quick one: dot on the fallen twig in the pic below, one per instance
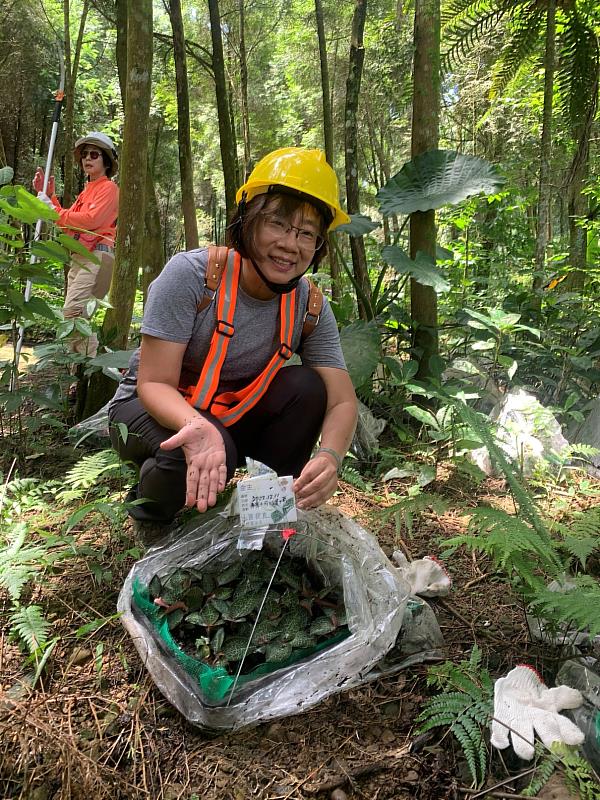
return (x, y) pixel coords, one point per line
(367, 769)
(482, 631)
(475, 793)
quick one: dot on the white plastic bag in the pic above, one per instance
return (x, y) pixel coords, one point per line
(375, 598)
(528, 433)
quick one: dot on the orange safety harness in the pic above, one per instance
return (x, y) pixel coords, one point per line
(222, 281)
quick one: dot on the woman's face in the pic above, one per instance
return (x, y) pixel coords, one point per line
(91, 162)
(284, 247)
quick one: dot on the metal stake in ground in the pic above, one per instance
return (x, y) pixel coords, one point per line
(286, 535)
(59, 96)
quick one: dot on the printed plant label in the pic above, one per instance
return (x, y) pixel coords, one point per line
(266, 500)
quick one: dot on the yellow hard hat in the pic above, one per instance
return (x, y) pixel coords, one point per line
(301, 170)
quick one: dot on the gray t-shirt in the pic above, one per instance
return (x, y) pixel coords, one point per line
(171, 313)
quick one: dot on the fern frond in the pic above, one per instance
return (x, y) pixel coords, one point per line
(17, 572)
(586, 524)
(457, 9)
(577, 69)
(577, 606)
(31, 627)
(19, 564)
(507, 534)
(352, 476)
(527, 508)
(580, 547)
(525, 33)
(466, 29)
(582, 536)
(24, 494)
(513, 545)
(545, 765)
(414, 504)
(91, 468)
(585, 450)
(579, 775)
(466, 711)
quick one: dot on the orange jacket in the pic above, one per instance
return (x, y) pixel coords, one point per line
(93, 216)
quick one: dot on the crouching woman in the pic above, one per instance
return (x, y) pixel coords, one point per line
(209, 384)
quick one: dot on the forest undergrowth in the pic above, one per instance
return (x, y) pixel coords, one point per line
(80, 715)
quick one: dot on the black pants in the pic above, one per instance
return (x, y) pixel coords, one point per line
(280, 431)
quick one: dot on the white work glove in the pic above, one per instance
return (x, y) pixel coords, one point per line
(45, 199)
(427, 576)
(523, 706)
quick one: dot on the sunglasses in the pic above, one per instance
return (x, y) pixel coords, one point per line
(93, 154)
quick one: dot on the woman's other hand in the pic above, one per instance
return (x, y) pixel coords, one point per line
(206, 462)
(38, 182)
(317, 482)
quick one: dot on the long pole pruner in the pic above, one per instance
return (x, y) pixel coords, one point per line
(59, 96)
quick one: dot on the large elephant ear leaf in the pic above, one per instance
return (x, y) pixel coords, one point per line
(6, 175)
(361, 344)
(422, 268)
(359, 225)
(437, 178)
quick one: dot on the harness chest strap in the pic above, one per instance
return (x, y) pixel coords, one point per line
(229, 407)
(217, 261)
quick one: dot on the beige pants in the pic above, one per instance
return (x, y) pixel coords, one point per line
(86, 280)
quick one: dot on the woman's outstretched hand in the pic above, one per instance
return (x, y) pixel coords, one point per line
(38, 182)
(206, 461)
(317, 482)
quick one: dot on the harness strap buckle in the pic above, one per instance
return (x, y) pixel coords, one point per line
(285, 351)
(208, 295)
(225, 328)
(312, 319)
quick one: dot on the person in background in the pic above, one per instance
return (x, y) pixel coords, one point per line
(92, 219)
(205, 389)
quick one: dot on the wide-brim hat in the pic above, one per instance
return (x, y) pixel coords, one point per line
(104, 143)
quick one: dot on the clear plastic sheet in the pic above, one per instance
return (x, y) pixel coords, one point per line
(528, 433)
(94, 429)
(588, 432)
(368, 430)
(343, 553)
(584, 674)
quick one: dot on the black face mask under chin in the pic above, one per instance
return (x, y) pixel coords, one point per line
(278, 288)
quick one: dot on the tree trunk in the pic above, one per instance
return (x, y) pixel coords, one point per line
(578, 206)
(186, 170)
(231, 103)
(424, 136)
(325, 90)
(71, 70)
(152, 253)
(121, 47)
(133, 172)
(244, 91)
(543, 208)
(228, 157)
(334, 267)
(357, 245)
(152, 260)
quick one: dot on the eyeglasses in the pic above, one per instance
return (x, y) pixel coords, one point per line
(93, 154)
(278, 228)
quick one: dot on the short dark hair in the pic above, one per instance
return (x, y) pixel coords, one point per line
(106, 160)
(242, 228)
